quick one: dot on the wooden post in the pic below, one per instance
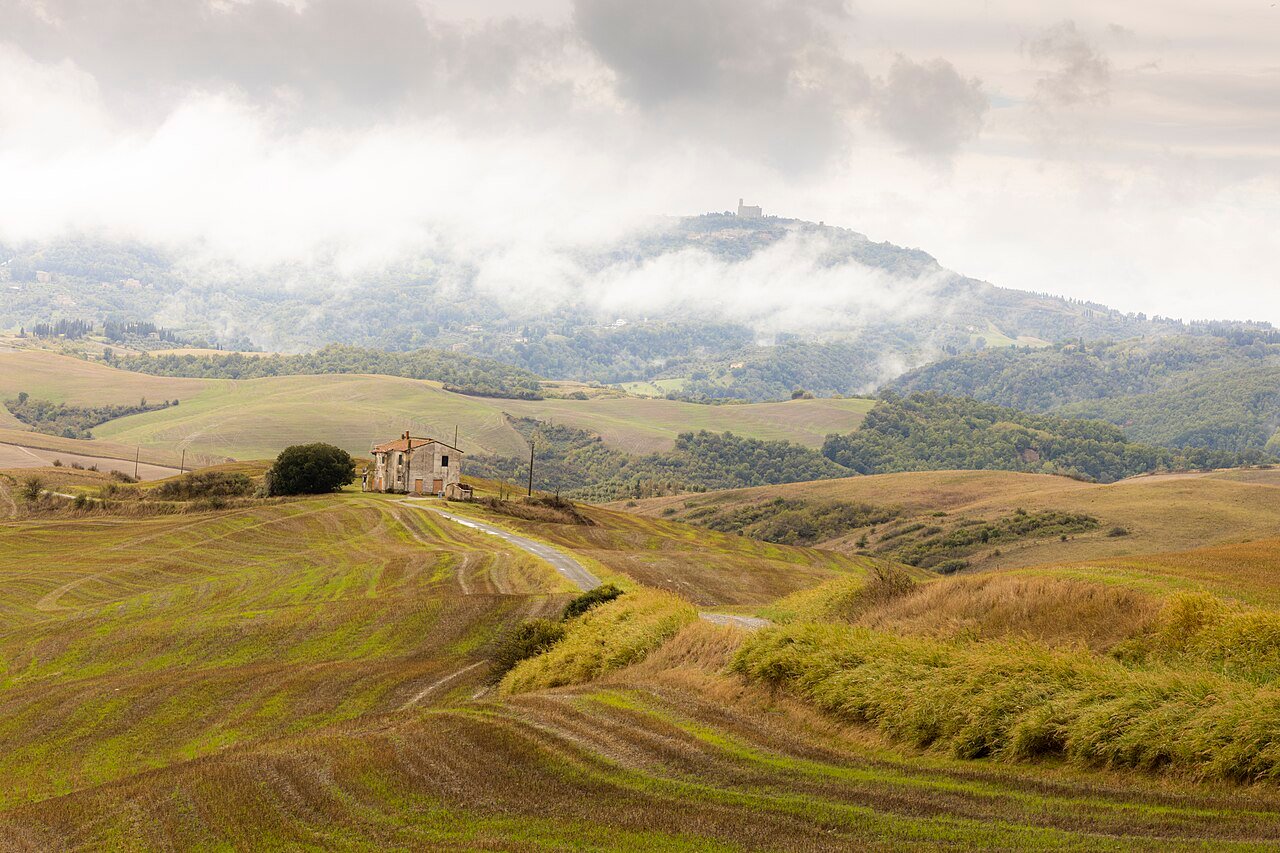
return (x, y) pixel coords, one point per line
(182, 469)
(531, 444)
(136, 457)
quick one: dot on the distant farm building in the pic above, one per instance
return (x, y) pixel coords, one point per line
(749, 211)
(416, 466)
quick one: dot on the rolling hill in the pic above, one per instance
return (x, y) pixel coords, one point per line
(1159, 514)
(256, 418)
(313, 673)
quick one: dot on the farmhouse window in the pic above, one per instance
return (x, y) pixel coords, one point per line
(444, 461)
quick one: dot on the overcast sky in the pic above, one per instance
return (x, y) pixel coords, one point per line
(1126, 153)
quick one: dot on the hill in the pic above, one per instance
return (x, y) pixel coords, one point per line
(248, 419)
(684, 342)
(928, 431)
(1159, 514)
(1214, 390)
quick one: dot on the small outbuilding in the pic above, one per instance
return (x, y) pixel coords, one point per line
(458, 492)
(415, 466)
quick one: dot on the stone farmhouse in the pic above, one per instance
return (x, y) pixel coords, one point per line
(416, 466)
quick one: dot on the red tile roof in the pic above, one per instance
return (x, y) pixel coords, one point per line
(409, 443)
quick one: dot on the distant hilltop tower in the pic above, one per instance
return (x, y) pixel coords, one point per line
(749, 211)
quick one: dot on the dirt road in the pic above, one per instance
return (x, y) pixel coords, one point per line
(567, 566)
(570, 568)
(19, 456)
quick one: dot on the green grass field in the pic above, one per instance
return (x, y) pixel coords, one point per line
(311, 674)
(255, 419)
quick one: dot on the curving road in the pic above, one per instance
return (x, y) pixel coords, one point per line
(559, 560)
(570, 568)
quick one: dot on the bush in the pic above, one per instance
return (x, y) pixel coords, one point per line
(32, 488)
(527, 640)
(310, 469)
(1118, 531)
(590, 599)
(206, 485)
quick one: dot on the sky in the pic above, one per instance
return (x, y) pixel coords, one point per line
(1123, 153)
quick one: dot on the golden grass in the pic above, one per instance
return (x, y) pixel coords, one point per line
(1020, 701)
(1247, 571)
(608, 637)
(1049, 610)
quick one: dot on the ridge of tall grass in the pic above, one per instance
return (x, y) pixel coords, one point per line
(1201, 630)
(1017, 701)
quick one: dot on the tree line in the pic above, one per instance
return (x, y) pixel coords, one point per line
(462, 373)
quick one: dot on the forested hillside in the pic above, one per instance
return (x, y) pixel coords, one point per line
(578, 463)
(1217, 389)
(929, 431)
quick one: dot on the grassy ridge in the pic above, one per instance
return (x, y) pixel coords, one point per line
(1013, 701)
(604, 639)
(1100, 669)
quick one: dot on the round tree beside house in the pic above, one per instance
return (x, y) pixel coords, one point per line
(310, 469)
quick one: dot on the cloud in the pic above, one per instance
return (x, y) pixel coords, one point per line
(766, 76)
(929, 108)
(346, 136)
(331, 60)
(1078, 72)
(789, 286)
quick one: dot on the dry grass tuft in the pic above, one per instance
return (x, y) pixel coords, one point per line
(699, 645)
(604, 639)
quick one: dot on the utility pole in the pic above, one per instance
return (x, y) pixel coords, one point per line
(183, 466)
(136, 457)
(455, 436)
(531, 443)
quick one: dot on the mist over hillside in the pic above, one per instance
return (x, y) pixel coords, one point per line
(712, 306)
